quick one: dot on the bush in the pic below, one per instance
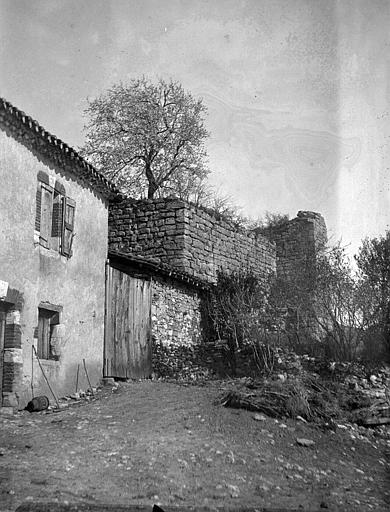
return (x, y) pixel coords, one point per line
(239, 312)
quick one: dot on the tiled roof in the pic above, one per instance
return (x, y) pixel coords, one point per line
(155, 266)
(31, 133)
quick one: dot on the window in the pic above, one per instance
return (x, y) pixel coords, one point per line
(69, 207)
(47, 322)
(55, 213)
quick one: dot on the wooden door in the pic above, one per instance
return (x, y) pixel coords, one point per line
(128, 352)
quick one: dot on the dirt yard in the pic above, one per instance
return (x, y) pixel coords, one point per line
(157, 442)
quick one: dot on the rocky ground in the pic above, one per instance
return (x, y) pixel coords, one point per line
(168, 443)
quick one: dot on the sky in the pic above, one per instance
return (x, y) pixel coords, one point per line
(297, 91)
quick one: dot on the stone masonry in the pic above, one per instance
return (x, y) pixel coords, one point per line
(170, 234)
(176, 313)
(297, 241)
(187, 238)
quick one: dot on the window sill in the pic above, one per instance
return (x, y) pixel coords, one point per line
(50, 362)
(50, 253)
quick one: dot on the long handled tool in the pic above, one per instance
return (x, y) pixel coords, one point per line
(43, 373)
(32, 370)
(86, 373)
(77, 378)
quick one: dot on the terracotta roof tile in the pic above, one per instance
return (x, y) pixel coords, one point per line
(22, 126)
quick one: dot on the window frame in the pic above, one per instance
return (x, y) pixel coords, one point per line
(46, 216)
(53, 222)
(48, 317)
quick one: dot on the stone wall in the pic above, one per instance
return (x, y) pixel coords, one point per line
(192, 242)
(187, 238)
(211, 245)
(180, 345)
(297, 241)
(176, 313)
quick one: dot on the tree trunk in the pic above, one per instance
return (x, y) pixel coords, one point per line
(151, 190)
(152, 185)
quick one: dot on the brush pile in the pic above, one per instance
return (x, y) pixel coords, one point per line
(309, 396)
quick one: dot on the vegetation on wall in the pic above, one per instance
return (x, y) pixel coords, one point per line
(323, 308)
(239, 312)
(327, 306)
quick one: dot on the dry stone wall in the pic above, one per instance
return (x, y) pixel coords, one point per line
(211, 245)
(297, 241)
(176, 313)
(189, 239)
(195, 243)
(148, 229)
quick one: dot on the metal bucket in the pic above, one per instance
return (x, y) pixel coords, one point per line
(39, 403)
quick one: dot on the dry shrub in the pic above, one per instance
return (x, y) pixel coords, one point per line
(297, 403)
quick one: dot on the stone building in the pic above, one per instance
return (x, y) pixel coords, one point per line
(61, 296)
(53, 248)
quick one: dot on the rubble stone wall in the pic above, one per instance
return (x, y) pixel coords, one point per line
(151, 229)
(211, 245)
(176, 313)
(196, 243)
(189, 239)
(297, 241)
(180, 345)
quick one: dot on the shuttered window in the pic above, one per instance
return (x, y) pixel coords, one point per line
(46, 215)
(69, 207)
(55, 214)
(38, 207)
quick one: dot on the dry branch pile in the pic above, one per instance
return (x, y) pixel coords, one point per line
(310, 397)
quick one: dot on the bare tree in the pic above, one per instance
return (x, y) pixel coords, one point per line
(148, 138)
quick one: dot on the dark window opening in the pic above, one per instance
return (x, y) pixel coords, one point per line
(47, 321)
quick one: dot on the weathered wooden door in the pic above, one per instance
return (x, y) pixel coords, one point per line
(128, 352)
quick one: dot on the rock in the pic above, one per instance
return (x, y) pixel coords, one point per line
(373, 379)
(234, 490)
(299, 418)
(259, 417)
(305, 442)
(107, 381)
(7, 411)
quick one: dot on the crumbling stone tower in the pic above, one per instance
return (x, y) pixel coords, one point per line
(297, 242)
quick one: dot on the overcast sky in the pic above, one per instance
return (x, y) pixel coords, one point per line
(297, 90)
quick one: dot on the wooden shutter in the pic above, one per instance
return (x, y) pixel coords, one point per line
(43, 334)
(56, 229)
(69, 208)
(46, 215)
(38, 207)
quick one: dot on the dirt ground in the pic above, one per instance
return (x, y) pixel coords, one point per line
(158, 442)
